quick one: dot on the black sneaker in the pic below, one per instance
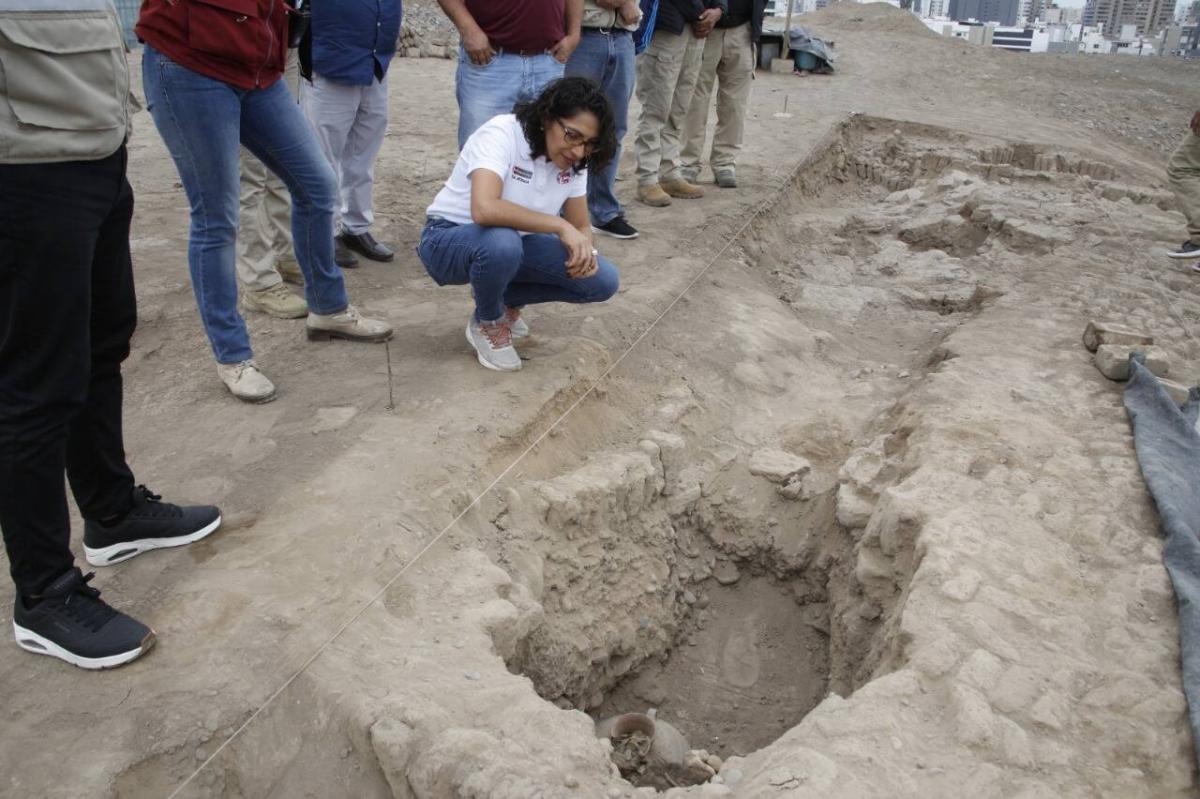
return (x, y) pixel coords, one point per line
(1185, 250)
(149, 524)
(70, 622)
(618, 228)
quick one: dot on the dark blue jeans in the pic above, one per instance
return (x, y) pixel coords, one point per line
(202, 121)
(607, 57)
(506, 268)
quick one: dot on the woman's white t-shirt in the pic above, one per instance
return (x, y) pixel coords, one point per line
(499, 146)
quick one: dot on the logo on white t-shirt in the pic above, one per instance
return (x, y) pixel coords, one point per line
(565, 176)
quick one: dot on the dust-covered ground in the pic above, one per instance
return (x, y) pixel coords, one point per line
(856, 513)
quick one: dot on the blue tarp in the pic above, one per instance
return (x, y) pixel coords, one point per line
(1168, 450)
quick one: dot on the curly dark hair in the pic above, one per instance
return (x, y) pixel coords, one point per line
(565, 98)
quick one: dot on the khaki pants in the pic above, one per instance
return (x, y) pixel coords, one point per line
(265, 218)
(727, 61)
(666, 76)
(1184, 172)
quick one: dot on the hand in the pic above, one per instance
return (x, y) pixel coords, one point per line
(581, 258)
(631, 12)
(1196, 123)
(562, 51)
(708, 20)
(478, 48)
(610, 5)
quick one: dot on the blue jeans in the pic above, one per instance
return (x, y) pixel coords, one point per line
(506, 268)
(202, 121)
(495, 87)
(607, 58)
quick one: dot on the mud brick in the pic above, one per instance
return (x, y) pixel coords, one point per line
(1098, 333)
(1113, 360)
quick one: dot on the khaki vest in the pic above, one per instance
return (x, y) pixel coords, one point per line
(64, 81)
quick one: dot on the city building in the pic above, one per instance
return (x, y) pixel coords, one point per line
(1003, 12)
(1149, 17)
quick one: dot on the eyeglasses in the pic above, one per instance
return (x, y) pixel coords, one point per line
(574, 138)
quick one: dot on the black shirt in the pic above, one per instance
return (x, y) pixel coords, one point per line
(739, 13)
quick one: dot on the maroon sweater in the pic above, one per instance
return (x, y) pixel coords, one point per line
(240, 42)
(530, 25)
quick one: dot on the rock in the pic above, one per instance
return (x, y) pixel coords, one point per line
(793, 489)
(1113, 360)
(778, 466)
(732, 776)
(782, 66)
(1098, 333)
(726, 573)
(689, 598)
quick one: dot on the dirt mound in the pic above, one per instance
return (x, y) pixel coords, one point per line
(873, 18)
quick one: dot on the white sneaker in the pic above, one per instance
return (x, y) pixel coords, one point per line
(516, 325)
(349, 325)
(493, 345)
(246, 382)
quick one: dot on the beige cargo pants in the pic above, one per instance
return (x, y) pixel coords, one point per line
(1184, 172)
(728, 62)
(265, 216)
(666, 75)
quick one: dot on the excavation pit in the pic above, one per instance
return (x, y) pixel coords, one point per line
(732, 601)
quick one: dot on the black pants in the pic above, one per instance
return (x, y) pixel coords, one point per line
(67, 312)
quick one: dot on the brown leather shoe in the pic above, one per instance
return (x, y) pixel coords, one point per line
(653, 195)
(682, 189)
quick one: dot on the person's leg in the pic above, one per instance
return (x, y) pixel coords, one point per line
(100, 478)
(332, 109)
(543, 276)
(657, 74)
(485, 91)
(735, 76)
(696, 120)
(50, 220)
(275, 130)
(1184, 172)
(685, 85)
(257, 233)
(538, 72)
(608, 60)
(358, 159)
(485, 257)
(199, 120)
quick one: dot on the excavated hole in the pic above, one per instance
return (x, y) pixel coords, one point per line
(704, 594)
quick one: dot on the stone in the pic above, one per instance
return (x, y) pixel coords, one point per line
(1113, 360)
(726, 573)
(782, 66)
(778, 466)
(793, 489)
(1099, 333)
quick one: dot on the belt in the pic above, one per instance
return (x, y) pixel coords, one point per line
(607, 31)
(521, 53)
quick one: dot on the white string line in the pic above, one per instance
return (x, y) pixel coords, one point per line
(1149, 270)
(773, 196)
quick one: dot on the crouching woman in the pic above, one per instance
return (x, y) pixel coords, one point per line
(512, 220)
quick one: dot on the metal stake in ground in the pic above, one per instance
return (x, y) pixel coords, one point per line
(387, 354)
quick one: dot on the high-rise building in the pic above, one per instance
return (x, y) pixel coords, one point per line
(1149, 17)
(1002, 11)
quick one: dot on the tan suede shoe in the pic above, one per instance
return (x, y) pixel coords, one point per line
(276, 301)
(682, 189)
(653, 195)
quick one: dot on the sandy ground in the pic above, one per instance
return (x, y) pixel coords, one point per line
(975, 546)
